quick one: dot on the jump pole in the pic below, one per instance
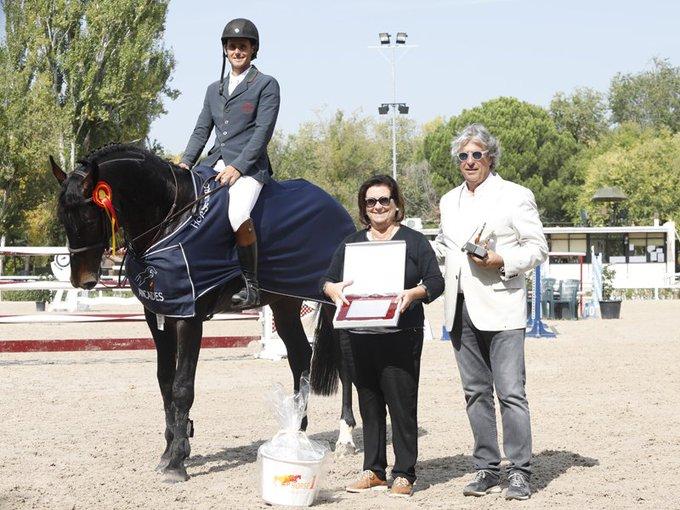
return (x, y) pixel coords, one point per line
(112, 344)
(537, 328)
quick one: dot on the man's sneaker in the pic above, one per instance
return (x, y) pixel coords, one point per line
(518, 486)
(367, 481)
(401, 487)
(485, 482)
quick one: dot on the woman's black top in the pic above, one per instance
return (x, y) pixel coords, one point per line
(421, 267)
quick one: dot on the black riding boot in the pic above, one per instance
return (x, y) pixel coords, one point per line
(246, 246)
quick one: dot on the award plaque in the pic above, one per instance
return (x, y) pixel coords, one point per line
(376, 269)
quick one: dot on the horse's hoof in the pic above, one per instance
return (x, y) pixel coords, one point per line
(344, 449)
(162, 465)
(175, 475)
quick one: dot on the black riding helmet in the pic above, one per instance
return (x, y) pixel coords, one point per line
(239, 27)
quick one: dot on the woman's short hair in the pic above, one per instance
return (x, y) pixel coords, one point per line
(477, 133)
(395, 194)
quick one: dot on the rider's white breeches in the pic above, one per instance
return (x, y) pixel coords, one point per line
(242, 197)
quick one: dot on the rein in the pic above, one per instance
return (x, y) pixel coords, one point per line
(172, 216)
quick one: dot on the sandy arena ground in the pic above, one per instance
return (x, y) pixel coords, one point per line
(84, 430)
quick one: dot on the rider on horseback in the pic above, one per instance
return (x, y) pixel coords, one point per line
(242, 107)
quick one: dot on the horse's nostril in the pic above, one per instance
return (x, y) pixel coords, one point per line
(90, 284)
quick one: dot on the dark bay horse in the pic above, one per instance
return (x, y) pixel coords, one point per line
(148, 195)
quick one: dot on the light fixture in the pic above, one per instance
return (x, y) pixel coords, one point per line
(383, 109)
(403, 109)
(384, 38)
(401, 37)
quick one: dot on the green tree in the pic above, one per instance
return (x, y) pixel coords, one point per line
(644, 163)
(583, 114)
(420, 195)
(76, 75)
(534, 153)
(649, 98)
(340, 152)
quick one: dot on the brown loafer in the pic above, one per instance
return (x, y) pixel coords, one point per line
(367, 481)
(401, 487)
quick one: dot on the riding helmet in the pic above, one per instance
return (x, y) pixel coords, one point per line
(241, 27)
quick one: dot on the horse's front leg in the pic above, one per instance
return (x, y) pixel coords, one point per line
(166, 361)
(189, 332)
(345, 443)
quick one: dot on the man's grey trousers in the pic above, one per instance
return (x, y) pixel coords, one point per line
(488, 359)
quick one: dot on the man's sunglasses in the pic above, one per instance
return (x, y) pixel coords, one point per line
(476, 155)
(384, 201)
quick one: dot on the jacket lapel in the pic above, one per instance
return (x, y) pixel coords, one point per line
(243, 86)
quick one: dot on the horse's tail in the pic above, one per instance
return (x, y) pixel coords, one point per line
(326, 356)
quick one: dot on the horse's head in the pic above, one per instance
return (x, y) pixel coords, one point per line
(85, 222)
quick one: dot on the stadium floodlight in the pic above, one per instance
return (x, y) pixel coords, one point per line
(397, 108)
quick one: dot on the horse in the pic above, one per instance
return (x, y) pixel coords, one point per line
(149, 197)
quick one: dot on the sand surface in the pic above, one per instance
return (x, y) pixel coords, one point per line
(84, 430)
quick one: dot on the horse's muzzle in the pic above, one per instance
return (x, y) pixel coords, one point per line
(86, 282)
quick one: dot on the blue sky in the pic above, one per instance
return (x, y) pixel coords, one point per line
(468, 51)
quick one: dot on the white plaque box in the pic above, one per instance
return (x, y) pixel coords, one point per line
(377, 270)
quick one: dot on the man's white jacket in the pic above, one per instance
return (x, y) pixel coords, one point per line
(495, 299)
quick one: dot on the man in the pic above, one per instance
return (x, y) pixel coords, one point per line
(485, 305)
(242, 108)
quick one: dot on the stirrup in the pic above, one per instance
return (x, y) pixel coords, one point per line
(247, 297)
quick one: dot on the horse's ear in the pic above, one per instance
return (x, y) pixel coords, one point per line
(90, 179)
(58, 173)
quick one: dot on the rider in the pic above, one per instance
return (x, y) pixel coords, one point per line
(242, 107)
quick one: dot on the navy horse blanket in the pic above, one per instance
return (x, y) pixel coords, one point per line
(298, 225)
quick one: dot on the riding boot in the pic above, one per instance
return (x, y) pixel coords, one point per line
(246, 247)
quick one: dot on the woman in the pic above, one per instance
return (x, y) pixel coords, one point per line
(242, 108)
(387, 360)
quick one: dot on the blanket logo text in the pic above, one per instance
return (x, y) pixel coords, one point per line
(200, 214)
(145, 276)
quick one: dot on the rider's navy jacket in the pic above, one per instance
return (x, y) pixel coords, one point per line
(244, 123)
(299, 225)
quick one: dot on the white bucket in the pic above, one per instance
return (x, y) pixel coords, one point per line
(290, 482)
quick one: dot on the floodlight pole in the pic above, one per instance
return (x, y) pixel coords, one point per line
(393, 105)
(394, 112)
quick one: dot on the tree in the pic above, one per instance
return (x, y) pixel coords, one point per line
(534, 152)
(583, 114)
(420, 195)
(649, 98)
(341, 152)
(644, 163)
(76, 75)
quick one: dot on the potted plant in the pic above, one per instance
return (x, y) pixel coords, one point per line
(41, 297)
(610, 308)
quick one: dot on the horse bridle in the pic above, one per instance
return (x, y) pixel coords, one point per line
(101, 244)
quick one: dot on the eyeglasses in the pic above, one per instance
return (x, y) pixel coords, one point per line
(476, 155)
(384, 201)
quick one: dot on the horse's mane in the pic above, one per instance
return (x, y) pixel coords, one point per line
(72, 195)
(107, 152)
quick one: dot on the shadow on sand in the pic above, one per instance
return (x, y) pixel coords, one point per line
(546, 466)
(235, 456)
(225, 459)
